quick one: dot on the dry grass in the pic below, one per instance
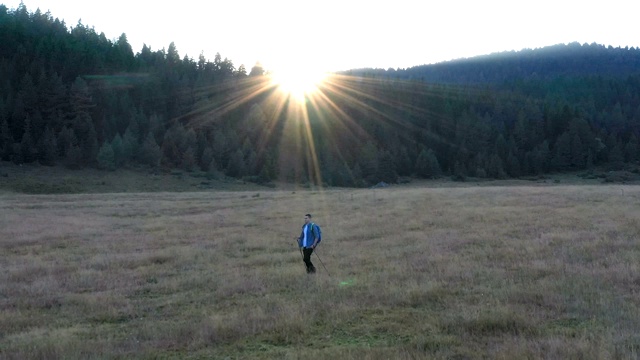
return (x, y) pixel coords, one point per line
(488, 272)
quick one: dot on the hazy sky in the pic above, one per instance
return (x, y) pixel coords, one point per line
(346, 34)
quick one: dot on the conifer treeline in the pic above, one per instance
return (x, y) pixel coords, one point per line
(75, 98)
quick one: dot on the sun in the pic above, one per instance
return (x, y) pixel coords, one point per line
(298, 83)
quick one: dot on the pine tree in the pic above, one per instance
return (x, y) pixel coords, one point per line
(427, 165)
(28, 149)
(130, 147)
(174, 145)
(616, 158)
(578, 153)
(73, 160)
(106, 158)
(66, 139)
(495, 168)
(386, 168)
(459, 171)
(48, 148)
(268, 171)
(173, 58)
(212, 170)
(501, 147)
(150, 153)
(118, 151)
(189, 161)
(206, 158)
(55, 99)
(368, 160)
(236, 166)
(562, 154)
(6, 139)
(220, 147)
(514, 169)
(251, 163)
(89, 146)
(80, 97)
(631, 150)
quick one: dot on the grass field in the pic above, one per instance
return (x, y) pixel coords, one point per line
(540, 271)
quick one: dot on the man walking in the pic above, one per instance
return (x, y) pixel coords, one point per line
(308, 241)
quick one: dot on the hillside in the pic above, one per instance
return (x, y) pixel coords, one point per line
(72, 98)
(548, 63)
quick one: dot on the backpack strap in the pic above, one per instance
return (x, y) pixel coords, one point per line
(313, 226)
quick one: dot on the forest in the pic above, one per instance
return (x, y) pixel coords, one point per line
(71, 97)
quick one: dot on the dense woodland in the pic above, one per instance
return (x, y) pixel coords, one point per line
(71, 97)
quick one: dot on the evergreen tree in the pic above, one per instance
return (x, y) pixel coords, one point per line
(368, 160)
(242, 72)
(257, 70)
(150, 153)
(55, 99)
(545, 156)
(189, 161)
(16, 123)
(514, 169)
(269, 170)
(386, 168)
(206, 158)
(48, 149)
(631, 150)
(404, 161)
(130, 146)
(117, 146)
(106, 158)
(80, 97)
(212, 170)
(236, 165)
(356, 176)
(73, 159)
(616, 158)
(495, 167)
(459, 171)
(427, 165)
(501, 147)
(6, 139)
(66, 139)
(251, 163)
(157, 127)
(173, 58)
(220, 146)
(89, 146)
(124, 53)
(28, 151)
(578, 153)
(562, 154)
(28, 92)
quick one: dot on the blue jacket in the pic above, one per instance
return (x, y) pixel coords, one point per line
(312, 233)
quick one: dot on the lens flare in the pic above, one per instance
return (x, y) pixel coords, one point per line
(298, 83)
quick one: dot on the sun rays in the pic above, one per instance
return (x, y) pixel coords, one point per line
(298, 83)
(304, 116)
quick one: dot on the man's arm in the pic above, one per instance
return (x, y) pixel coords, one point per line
(299, 238)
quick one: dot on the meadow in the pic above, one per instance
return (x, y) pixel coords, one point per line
(511, 272)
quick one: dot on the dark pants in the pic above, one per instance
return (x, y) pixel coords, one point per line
(307, 260)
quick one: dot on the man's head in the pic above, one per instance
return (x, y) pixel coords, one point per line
(307, 218)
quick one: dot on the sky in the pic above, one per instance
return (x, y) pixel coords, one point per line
(334, 35)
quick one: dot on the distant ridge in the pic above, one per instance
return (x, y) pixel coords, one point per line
(542, 63)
